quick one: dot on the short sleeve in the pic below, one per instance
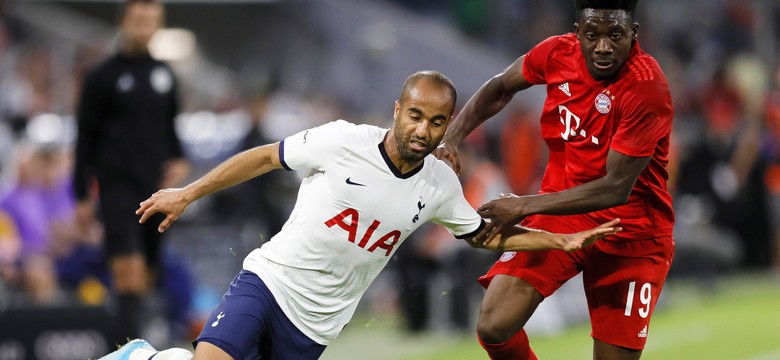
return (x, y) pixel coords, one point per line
(315, 147)
(536, 60)
(646, 117)
(455, 213)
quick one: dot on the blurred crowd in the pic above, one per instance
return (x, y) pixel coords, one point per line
(725, 170)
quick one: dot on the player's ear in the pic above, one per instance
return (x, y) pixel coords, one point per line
(634, 31)
(396, 109)
(576, 29)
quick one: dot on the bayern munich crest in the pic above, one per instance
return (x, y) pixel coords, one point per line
(507, 256)
(603, 103)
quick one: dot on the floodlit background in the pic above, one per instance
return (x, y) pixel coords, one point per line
(275, 67)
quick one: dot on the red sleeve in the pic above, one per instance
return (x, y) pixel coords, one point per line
(646, 117)
(536, 60)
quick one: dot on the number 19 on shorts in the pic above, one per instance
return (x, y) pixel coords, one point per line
(645, 295)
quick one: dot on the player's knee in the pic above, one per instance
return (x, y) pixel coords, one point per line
(174, 354)
(492, 331)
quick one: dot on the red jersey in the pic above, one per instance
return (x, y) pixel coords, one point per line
(583, 119)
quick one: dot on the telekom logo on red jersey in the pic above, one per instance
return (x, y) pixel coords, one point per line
(571, 125)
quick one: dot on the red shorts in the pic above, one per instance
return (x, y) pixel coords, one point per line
(622, 279)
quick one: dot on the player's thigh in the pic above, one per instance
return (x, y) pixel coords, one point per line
(623, 282)
(507, 305)
(518, 282)
(241, 321)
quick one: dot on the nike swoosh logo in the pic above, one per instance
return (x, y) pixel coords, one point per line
(350, 182)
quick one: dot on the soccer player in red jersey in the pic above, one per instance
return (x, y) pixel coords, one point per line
(606, 121)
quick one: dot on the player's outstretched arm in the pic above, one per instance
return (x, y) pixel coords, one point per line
(237, 169)
(493, 96)
(518, 238)
(610, 190)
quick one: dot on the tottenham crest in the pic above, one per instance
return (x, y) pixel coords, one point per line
(603, 103)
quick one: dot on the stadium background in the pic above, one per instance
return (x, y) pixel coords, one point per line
(278, 66)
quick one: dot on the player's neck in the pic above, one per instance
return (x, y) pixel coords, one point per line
(391, 148)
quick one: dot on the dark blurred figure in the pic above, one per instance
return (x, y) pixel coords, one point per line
(772, 152)
(126, 139)
(721, 180)
(257, 206)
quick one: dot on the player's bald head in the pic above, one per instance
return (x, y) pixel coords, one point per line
(435, 78)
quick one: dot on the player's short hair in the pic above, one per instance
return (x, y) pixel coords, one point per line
(434, 76)
(628, 5)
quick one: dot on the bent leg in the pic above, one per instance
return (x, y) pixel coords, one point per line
(623, 281)
(516, 285)
(506, 307)
(508, 304)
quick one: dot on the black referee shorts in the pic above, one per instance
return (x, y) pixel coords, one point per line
(123, 234)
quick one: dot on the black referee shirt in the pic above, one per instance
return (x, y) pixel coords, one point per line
(126, 123)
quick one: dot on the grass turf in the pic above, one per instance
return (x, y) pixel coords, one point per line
(734, 318)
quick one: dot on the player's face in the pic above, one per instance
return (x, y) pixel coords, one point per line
(421, 117)
(605, 36)
(140, 22)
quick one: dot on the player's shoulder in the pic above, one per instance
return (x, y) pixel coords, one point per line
(103, 66)
(565, 43)
(103, 73)
(352, 128)
(352, 133)
(643, 67)
(440, 171)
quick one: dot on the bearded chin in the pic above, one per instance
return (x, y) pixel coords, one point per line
(411, 156)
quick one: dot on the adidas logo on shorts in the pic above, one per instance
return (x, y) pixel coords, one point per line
(643, 333)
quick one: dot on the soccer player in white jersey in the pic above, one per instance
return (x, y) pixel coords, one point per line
(366, 189)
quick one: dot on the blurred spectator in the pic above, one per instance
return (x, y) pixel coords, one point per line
(772, 152)
(41, 205)
(522, 154)
(126, 139)
(14, 89)
(260, 205)
(10, 247)
(721, 195)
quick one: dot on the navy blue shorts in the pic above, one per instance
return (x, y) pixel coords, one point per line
(249, 324)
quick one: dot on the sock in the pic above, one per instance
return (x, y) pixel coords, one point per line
(172, 354)
(516, 348)
(129, 317)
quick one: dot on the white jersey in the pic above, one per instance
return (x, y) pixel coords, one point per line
(354, 209)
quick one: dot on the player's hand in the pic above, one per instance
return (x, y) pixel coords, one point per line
(170, 202)
(448, 151)
(586, 238)
(503, 212)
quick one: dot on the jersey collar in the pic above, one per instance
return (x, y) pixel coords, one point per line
(392, 166)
